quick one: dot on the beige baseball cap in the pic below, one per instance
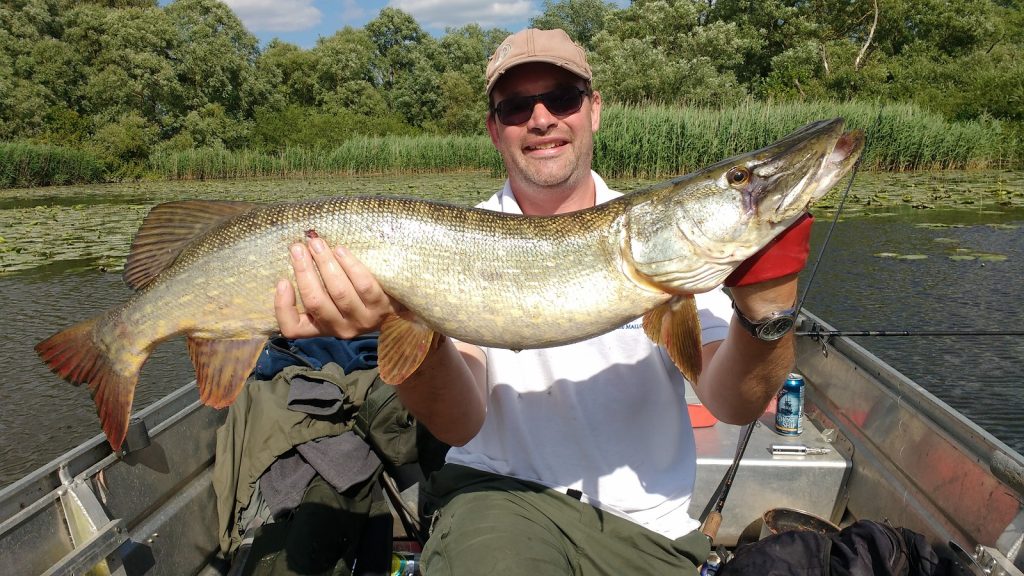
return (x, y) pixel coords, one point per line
(533, 45)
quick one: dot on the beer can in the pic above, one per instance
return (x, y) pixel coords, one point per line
(789, 406)
(404, 564)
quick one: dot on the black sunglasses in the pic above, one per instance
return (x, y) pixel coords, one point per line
(562, 101)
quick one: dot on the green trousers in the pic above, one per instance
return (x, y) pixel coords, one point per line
(492, 524)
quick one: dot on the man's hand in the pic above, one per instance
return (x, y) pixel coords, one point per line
(786, 254)
(339, 295)
(766, 282)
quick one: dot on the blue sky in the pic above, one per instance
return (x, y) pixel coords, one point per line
(301, 22)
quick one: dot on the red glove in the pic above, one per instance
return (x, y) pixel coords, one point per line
(786, 254)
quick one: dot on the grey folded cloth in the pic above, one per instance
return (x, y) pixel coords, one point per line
(343, 461)
(284, 483)
(314, 396)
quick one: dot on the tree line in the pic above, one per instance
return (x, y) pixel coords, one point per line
(126, 79)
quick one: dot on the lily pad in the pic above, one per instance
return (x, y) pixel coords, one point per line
(886, 255)
(992, 257)
(913, 257)
(962, 257)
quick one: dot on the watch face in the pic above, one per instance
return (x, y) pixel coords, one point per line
(775, 328)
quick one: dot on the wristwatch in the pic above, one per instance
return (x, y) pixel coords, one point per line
(771, 327)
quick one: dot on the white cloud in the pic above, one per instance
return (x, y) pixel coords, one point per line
(351, 11)
(276, 15)
(442, 14)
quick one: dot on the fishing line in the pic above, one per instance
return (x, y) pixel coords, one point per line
(815, 332)
(839, 210)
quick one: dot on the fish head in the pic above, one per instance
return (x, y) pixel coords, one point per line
(723, 214)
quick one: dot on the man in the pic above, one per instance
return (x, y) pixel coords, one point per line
(577, 459)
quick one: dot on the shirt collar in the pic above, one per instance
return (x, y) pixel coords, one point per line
(507, 200)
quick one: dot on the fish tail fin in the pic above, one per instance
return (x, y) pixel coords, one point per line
(73, 355)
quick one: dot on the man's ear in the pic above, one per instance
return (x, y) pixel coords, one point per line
(492, 128)
(595, 110)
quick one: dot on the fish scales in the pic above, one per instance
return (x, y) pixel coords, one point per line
(450, 265)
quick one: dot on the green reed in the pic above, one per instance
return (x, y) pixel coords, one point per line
(657, 141)
(634, 141)
(361, 155)
(639, 141)
(23, 165)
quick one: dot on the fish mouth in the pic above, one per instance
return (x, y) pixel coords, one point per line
(798, 170)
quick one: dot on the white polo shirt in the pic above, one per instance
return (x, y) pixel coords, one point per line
(606, 416)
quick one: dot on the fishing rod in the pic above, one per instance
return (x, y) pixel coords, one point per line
(815, 333)
(835, 218)
(711, 518)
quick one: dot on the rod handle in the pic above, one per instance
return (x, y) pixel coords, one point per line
(711, 525)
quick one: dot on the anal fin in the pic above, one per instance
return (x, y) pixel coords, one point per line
(676, 326)
(222, 366)
(401, 348)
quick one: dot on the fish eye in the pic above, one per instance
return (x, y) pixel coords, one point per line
(737, 175)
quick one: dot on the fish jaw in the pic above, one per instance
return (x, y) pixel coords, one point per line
(800, 169)
(725, 213)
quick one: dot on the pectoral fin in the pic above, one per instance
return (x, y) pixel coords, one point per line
(676, 326)
(222, 366)
(401, 348)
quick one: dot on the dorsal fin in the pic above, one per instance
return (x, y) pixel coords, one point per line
(167, 229)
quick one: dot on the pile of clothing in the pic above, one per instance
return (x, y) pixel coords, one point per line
(299, 458)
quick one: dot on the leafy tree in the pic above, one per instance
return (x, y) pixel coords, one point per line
(581, 19)
(953, 27)
(658, 51)
(126, 140)
(462, 56)
(396, 35)
(466, 50)
(463, 107)
(291, 71)
(339, 60)
(416, 93)
(779, 25)
(130, 73)
(212, 127)
(215, 58)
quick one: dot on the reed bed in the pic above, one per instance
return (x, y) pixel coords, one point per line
(634, 142)
(639, 141)
(361, 155)
(24, 165)
(657, 141)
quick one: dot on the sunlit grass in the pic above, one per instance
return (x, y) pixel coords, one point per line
(633, 142)
(362, 155)
(24, 164)
(638, 141)
(658, 141)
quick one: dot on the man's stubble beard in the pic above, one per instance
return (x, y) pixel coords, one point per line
(569, 172)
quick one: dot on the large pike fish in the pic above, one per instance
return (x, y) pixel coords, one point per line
(208, 270)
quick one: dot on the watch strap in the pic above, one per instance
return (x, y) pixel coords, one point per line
(772, 327)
